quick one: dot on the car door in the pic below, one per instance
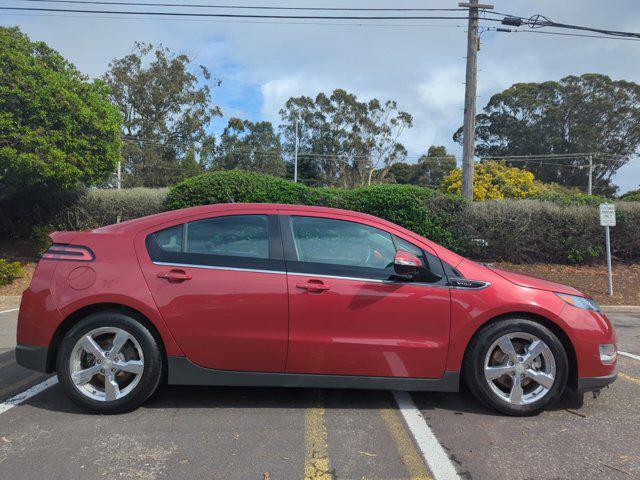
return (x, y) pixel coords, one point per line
(347, 315)
(220, 285)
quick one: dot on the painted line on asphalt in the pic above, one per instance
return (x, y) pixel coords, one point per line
(411, 459)
(316, 463)
(6, 363)
(14, 387)
(10, 310)
(629, 355)
(629, 378)
(432, 452)
(27, 394)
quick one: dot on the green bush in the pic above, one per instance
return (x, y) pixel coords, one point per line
(631, 196)
(9, 271)
(421, 210)
(564, 196)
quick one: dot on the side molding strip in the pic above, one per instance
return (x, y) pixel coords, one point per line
(184, 372)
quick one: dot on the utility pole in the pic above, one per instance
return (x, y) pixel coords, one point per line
(471, 79)
(119, 181)
(295, 161)
(590, 184)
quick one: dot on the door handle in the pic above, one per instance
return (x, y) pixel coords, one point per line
(175, 276)
(313, 286)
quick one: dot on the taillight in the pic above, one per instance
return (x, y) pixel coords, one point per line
(76, 253)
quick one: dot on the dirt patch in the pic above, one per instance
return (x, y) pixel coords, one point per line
(589, 279)
(19, 285)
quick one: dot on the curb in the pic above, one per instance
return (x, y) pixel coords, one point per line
(620, 308)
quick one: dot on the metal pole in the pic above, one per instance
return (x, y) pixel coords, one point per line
(295, 161)
(590, 185)
(469, 125)
(119, 181)
(608, 246)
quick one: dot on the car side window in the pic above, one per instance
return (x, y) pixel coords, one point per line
(342, 243)
(433, 271)
(235, 236)
(240, 241)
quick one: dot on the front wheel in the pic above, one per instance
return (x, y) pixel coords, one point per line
(516, 366)
(109, 363)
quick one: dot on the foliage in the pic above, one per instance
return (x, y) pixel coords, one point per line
(234, 186)
(494, 180)
(250, 146)
(631, 196)
(9, 271)
(565, 196)
(429, 171)
(342, 140)
(589, 113)
(58, 130)
(165, 112)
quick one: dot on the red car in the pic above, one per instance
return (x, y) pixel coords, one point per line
(297, 296)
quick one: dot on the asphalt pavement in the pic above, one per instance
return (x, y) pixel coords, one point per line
(269, 433)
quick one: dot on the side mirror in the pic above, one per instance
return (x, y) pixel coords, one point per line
(406, 264)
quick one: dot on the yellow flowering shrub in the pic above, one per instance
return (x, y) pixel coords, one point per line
(494, 180)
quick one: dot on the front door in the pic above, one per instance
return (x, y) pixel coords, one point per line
(346, 316)
(220, 285)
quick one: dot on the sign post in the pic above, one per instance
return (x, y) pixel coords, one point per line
(608, 219)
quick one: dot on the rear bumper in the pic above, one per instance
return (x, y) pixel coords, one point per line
(32, 357)
(588, 384)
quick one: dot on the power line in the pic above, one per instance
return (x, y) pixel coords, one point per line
(249, 7)
(605, 37)
(232, 15)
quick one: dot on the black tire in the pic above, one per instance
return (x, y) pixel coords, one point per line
(152, 369)
(473, 367)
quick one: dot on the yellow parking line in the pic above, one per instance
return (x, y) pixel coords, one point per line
(316, 465)
(407, 450)
(15, 386)
(6, 363)
(629, 378)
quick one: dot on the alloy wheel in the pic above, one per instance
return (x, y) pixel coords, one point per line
(106, 364)
(520, 368)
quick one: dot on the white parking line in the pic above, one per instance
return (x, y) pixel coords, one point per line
(431, 450)
(630, 355)
(27, 394)
(10, 310)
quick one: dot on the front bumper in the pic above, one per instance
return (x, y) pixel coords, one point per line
(32, 357)
(588, 384)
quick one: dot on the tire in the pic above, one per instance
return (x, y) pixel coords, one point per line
(523, 396)
(135, 369)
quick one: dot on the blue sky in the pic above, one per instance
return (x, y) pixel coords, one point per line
(421, 65)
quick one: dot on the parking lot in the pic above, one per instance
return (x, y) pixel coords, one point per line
(264, 433)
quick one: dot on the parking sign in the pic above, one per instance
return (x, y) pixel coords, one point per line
(607, 215)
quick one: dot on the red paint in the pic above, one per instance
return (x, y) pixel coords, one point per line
(274, 322)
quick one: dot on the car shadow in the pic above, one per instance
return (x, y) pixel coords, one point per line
(253, 398)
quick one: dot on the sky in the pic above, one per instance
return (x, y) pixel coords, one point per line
(419, 63)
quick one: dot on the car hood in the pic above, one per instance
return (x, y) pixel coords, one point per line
(538, 283)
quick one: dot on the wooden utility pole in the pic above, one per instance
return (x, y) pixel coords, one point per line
(590, 184)
(471, 79)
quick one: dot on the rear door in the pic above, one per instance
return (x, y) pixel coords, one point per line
(220, 284)
(347, 315)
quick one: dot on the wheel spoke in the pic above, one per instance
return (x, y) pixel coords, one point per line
(83, 376)
(507, 347)
(118, 342)
(535, 349)
(90, 346)
(492, 373)
(515, 396)
(132, 366)
(541, 378)
(111, 387)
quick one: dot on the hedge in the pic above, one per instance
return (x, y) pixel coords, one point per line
(501, 230)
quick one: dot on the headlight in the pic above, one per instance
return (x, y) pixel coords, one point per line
(580, 302)
(608, 353)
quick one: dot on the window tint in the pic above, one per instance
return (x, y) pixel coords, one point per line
(433, 271)
(339, 242)
(235, 236)
(169, 239)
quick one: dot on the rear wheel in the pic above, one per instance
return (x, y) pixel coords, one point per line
(516, 366)
(109, 363)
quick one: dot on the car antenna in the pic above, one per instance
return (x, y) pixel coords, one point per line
(229, 196)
